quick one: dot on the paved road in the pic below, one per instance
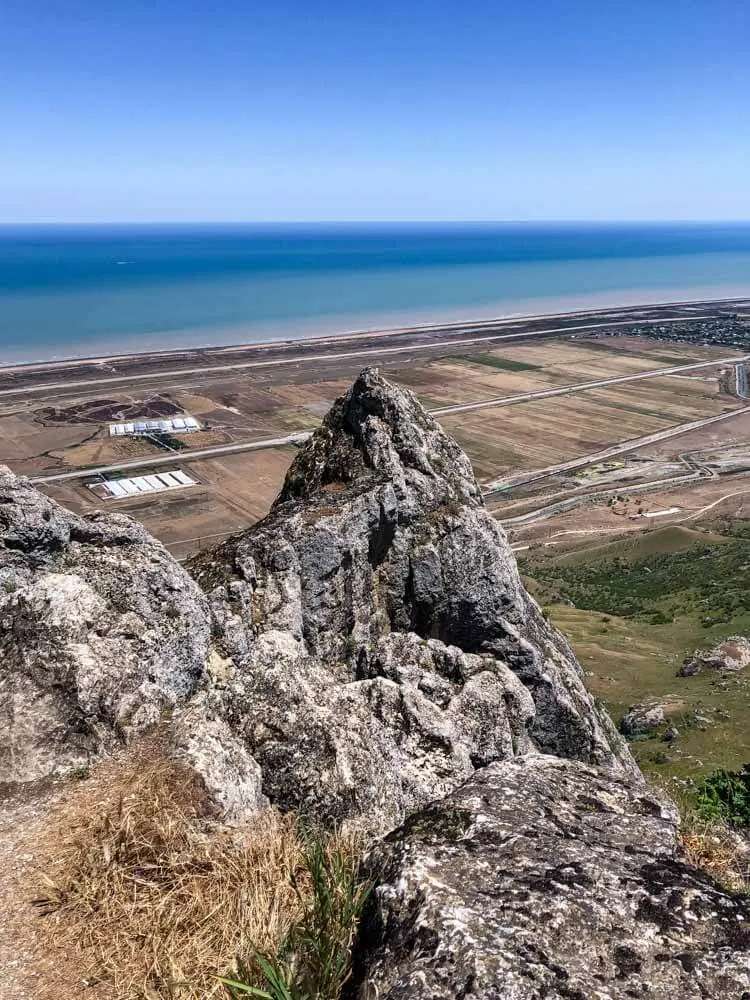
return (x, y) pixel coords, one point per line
(210, 370)
(583, 495)
(179, 457)
(740, 379)
(509, 522)
(580, 386)
(525, 478)
(562, 506)
(199, 454)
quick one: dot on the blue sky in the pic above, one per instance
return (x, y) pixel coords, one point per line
(374, 109)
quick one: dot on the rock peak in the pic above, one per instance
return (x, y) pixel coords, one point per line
(383, 644)
(380, 432)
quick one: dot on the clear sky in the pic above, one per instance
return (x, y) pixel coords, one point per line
(177, 110)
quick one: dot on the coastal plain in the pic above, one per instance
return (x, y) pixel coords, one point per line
(606, 444)
(236, 489)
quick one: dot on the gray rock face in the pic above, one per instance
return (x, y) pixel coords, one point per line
(646, 717)
(731, 655)
(101, 633)
(380, 642)
(547, 879)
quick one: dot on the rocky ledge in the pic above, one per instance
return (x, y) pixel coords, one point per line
(545, 878)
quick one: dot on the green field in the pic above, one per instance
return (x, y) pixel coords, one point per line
(505, 364)
(634, 608)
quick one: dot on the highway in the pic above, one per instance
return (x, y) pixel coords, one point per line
(562, 506)
(525, 478)
(210, 370)
(580, 386)
(544, 512)
(178, 457)
(195, 455)
(584, 494)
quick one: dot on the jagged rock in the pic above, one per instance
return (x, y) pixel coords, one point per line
(380, 642)
(547, 878)
(643, 718)
(101, 632)
(731, 655)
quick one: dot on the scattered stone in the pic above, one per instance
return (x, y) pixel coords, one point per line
(643, 718)
(731, 655)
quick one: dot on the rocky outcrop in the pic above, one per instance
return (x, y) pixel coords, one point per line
(101, 632)
(379, 642)
(731, 655)
(547, 878)
(362, 651)
(102, 636)
(365, 653)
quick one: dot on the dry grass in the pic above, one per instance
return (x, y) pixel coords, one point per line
(154, 897)
(714, 847)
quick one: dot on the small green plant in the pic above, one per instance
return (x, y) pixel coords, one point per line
(725, 795)
(79, 773)
(314, 960)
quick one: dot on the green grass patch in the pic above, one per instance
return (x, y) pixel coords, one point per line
(657, 575)
(633, 609)
(313, 962)
(505, 364)
(725, 795)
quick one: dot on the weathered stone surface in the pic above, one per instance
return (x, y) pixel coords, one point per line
(731, 655)
(380, 642)
(101, 632)
(547, 879)
(646, 717)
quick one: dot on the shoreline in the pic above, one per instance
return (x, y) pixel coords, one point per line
(731, 297)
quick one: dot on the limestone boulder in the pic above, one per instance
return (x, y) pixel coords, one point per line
(542, 878)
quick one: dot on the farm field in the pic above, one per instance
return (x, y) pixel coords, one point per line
(69, 430)
(543, 432)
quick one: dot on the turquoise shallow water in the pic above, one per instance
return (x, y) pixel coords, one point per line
(70, 291)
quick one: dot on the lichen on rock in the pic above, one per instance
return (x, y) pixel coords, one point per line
(101, 632)
(547, 878)
(383, 644)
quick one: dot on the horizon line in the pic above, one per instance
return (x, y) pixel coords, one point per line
(373, 222)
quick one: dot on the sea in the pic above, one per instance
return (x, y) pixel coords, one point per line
(88, 290)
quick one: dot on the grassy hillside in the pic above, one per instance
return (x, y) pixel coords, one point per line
(634, 608)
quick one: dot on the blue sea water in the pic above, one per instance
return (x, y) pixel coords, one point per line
(79, 290)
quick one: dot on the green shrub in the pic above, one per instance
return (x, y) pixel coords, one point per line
(725, 795)
(713, 580)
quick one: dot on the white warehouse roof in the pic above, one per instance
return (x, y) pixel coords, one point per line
(118, 489)
(182, 425)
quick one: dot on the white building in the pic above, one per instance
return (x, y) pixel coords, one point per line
(169, 425)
